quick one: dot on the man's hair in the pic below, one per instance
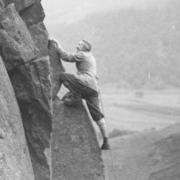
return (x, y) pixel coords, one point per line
(88, 46)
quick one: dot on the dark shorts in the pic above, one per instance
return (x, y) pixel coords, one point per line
(77, 85)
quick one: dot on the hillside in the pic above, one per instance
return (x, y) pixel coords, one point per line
(135, 48)
(152, 155)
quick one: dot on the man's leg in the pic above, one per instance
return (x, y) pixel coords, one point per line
(71, 99)
(93, 104)
(70, 82)
(74, 83)
(103, 128)
(76, 86)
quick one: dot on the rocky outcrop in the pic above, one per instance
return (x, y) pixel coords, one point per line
(25, 53)
(32, 86)
(165, 155)
(34, 68)
(75, 151)
(56, 69)
(15, 163)
(17, 44)
(151, 155)
(33, 14)
(19, 4)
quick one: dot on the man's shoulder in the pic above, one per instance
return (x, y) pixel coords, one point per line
(80, 55)
(83, 55)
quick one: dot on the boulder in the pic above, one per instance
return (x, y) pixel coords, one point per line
(33, 14)
(56, 69)
(20, 4)
(17, 45)
(32, 86)
(15, 163)
(75, 151)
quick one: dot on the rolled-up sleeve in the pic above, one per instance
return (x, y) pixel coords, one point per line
(70, 57)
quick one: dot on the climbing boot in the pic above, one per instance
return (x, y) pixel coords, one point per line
(105, 145)
(71, 99)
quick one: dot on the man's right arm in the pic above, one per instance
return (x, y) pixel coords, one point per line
(68, 57)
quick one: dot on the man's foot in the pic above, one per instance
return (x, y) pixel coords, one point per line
(71, 99)
(105, 145)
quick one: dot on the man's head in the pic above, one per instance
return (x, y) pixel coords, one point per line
(84, 45)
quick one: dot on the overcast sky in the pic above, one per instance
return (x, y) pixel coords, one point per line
(72, 10)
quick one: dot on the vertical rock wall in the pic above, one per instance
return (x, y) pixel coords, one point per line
(34, 69)
(24, 48)
(15, 163)
(75, 151)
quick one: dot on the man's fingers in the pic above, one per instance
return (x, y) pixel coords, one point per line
(52, 42)
(55, 43)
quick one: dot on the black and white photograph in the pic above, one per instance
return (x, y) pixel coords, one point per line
(89, 89)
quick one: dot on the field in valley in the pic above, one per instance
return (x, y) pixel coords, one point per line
(140, 110)
(155, 147)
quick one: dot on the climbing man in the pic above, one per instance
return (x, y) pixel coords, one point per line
(84, 84)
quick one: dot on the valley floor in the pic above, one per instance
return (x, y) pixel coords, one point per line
(154, 149)
(141, 110)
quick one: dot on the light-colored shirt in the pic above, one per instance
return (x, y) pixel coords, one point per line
(85, 62)
(86, 67)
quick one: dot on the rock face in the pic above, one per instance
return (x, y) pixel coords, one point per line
(15, 163)
(75, 151)
(34, 68)
(28, 65)
(56, 69)
(33, 14)
(32, 86)
(20, 4)
(18, 46)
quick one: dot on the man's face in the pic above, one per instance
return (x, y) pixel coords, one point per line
(80, 46)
